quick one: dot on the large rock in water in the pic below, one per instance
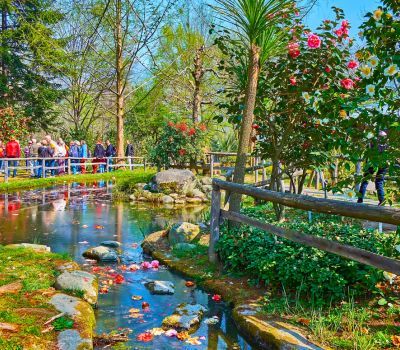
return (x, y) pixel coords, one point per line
(160, 287)
(173, 181)
(79, 280)
(183, 232)
(186, 317)
(101, 253)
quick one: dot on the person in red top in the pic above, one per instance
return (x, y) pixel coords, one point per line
(13, 150)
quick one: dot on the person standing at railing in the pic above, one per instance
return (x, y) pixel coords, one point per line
(28, 154)
(2, 155)
(52, 151)
(34, 154)
(61, 152)
(129, 152)
(73, 153)
(43, 153)
(99, 154)
(83, 154)
(13, 150)
(110, 152)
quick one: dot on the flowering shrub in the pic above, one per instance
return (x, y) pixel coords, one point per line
(304, 272)
(179, 143)
(12, 125)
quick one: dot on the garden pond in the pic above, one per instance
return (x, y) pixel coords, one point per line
(73, 217)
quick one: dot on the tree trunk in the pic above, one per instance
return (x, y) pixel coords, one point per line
(301, 181)
(4, 14)
(197, 76)
(119, 82)
(277, 186)
(246, 125)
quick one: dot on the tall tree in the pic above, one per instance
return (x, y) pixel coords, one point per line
(254, 22)
(28, 45)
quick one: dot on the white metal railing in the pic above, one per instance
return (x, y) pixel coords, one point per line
(70, 165)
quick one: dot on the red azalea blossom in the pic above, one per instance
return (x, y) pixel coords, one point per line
(292, 81)
(145, 337)
(347, 83)
(313, 42)
(192, 131)
(202, 127)
(171, 124)
(119, 279)
(182, 152)
(294, 49)
(352, 64)
(217, 298)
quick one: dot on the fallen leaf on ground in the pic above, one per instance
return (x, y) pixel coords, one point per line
(396, 340)
(304, 321)
(136, 315)
(12, 288)
(9, 327)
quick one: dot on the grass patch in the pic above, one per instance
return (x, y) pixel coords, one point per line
(27, 309)
(135, 176)
(74, 292)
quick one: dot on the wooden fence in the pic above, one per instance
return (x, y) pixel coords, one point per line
(68, 164)
(320, 205)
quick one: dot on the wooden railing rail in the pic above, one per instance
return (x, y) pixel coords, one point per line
(329, 206)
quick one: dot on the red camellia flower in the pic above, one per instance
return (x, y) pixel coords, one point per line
(217, 298)
(313, 42)
(119, 279)
(352, 64)
(294, 49)
(255, 126)
(327, 69)
(292, 81)
(182, 152)
(347, 83)
(339, 32)
(145, 337)
(192, 131)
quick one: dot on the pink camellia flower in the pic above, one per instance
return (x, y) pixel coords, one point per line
(292, 81)
(294, 49)
(339, 32)
(345, 23)
(347, 83)
(352, 64)
(155, 264)
(146, 265)
(171, 333)
(313, 42)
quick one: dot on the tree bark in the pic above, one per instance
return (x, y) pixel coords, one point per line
(4, 14)
(246, 125)
(119, 82)
(277, 186)
(197, 74)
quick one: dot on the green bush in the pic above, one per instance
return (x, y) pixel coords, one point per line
(300, 270)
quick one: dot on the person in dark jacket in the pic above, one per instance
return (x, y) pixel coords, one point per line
(110, 152)
(129, 153)
(43, 152)
(99, 154)
(73, 153)
(380, 174)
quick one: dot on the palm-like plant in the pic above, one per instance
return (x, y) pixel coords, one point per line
(254, 23)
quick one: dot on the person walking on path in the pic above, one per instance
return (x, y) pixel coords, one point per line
(83, 154)
(129, 153)
(13, 150)
(2, 155)
(99, 154)
(377, 158)
(110, 152)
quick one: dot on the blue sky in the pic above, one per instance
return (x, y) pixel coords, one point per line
(353, 9)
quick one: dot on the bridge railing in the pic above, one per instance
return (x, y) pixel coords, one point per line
(320, 205)
(69, 165)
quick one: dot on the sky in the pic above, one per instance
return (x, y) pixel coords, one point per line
(354, 11)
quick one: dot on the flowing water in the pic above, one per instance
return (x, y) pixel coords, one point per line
(71, 218)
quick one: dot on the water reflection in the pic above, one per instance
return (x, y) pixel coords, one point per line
(65, 218)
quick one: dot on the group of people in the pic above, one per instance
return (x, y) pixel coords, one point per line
(54, 156)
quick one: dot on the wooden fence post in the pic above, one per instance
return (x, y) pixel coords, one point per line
(256, 169)
(214, 223)
(43, 168)
(69, 166)
(264, 171)
(130, 163)
(316, 180)
(211, 165)
(6, 171)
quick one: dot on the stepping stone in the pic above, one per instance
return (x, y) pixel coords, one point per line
(186, 317)
(160, 287)
(110, 244)
(100, 253)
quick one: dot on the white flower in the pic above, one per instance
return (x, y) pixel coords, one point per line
(306, 96)
(366, 71)
(389, 276)
(377, 14)
(391, 70)
(325, 121)
(373, 61)
(370, 90)
(351, 195)
(370, 135)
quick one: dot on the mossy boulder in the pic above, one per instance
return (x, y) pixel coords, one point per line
(183, 232)
(186, 317)
(100, 253)
(173, 181)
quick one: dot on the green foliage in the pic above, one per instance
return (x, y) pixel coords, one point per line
(179, 143)
(62, 323)
(304, 271)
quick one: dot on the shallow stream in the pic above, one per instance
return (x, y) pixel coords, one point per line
(71, 218)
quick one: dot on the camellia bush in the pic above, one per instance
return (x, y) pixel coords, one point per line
(180, 143)
(12, 125)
